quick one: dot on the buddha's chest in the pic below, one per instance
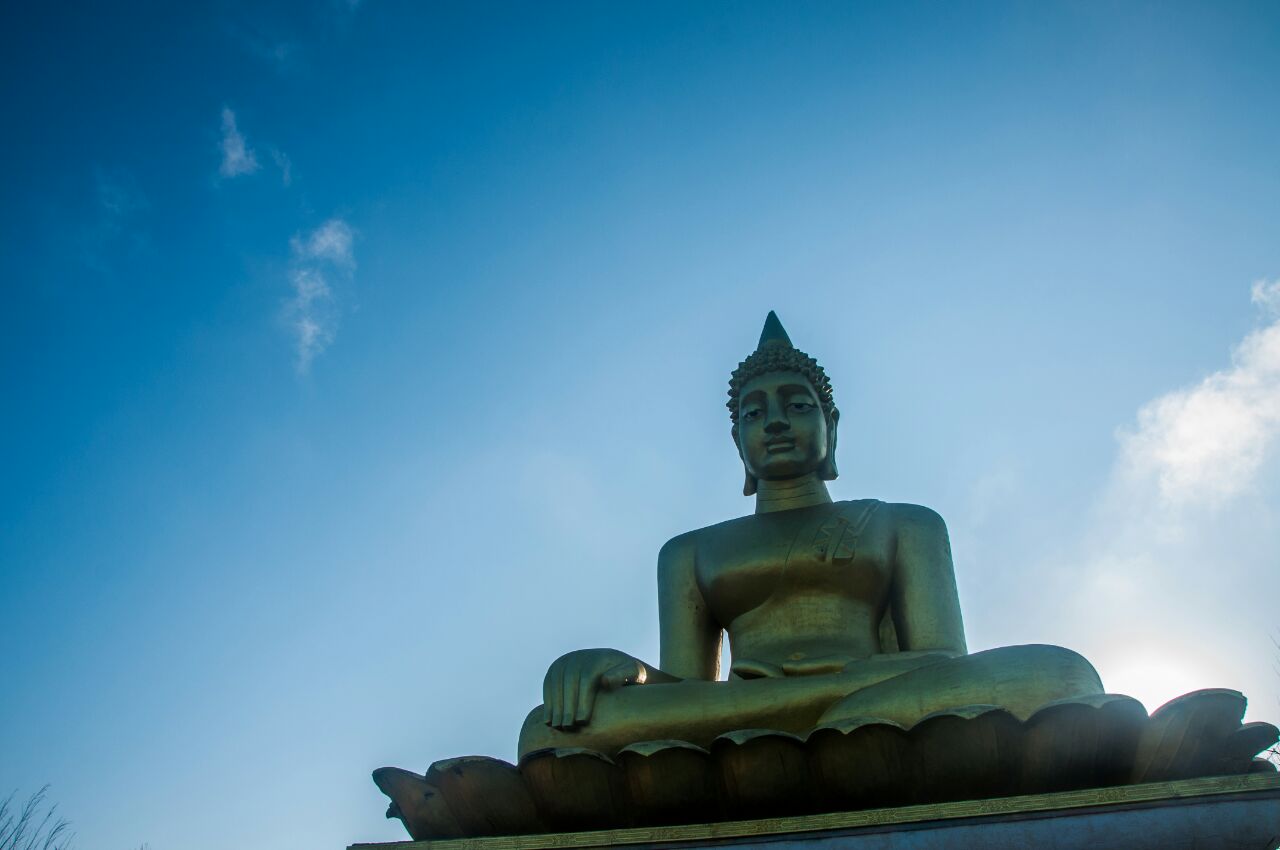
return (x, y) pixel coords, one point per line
(837, 551)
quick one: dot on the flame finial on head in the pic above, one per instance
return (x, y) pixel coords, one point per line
(773, 332)
(775, 353)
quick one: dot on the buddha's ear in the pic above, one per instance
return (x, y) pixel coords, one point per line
(828, 471)
(749, 485)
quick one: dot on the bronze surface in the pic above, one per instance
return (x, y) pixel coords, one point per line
(850, 682)
(1125, 795)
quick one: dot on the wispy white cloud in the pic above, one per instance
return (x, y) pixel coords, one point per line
(312, 316)
(118, 195)
(292, 47)
(312, 311)
(1266, 294)
(237, 157)
(330, 242)
(117, 223)
(280, 54)
(285, 165)
(1173, 581)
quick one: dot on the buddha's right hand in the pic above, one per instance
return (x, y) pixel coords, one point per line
(570, 688)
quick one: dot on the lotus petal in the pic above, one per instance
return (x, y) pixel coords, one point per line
(1243, 744)
(1185, 737)
(763, 773)
(965, 753)
(418, 804)
(487, 796)
(1081, 742)
(670, 782)
(969, 752)
(860, 763)
(575, 788)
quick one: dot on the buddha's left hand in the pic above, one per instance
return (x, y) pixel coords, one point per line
(573, 680)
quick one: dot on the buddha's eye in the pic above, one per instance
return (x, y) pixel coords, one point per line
(751, 413)
(801, 406)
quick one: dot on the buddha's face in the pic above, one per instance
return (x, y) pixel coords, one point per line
(782, 432)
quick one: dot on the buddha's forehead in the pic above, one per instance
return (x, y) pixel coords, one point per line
(775, 382)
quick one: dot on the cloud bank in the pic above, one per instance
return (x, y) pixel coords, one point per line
(312, 312)
(1207, 442)
(1178, 570)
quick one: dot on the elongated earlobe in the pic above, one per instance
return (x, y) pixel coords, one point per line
(749, 485)
(828, 471)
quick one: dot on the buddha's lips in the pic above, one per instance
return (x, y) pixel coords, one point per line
(780, 446)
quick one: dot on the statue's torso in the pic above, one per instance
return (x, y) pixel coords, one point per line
(800, 589)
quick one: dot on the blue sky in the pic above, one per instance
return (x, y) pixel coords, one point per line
(357, 358)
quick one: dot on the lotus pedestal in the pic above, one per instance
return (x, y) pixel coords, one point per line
(1213, 813)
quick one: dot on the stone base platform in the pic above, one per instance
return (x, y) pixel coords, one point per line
(1214, 813)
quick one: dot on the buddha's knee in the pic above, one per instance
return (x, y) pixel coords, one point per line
(1024, 678)
(1018, 678)
(1053, 666)
(535, 734)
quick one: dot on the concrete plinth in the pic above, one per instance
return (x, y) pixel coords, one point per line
(1217, 813)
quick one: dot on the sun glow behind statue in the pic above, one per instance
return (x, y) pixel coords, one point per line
(1155, 675)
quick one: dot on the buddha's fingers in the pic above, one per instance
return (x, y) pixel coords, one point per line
(569, 697)
(551, 693)
(546, 695)
(557, 693)
(586, 700)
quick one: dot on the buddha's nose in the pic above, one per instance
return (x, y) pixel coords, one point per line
(776, 425)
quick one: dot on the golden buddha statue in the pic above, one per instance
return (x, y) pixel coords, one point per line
(834, 610)
(850, 683)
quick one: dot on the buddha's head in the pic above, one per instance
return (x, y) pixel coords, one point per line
(784, 417)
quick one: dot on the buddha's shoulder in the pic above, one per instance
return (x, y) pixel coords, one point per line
(902, 515)
(859, 512)
(862, 513)
(688, 542)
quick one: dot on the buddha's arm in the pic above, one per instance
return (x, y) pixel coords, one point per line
(923, 597)
(689, 634)
(690, 648)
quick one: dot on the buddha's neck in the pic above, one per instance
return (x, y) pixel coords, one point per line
(802, 492)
